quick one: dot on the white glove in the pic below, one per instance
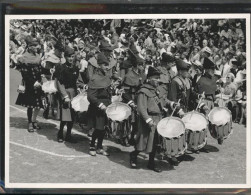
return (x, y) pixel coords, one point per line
(67, 99)
(103, 107)
(151, 123)
(120, 91)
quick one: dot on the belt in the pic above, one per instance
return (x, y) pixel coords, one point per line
(155, 114)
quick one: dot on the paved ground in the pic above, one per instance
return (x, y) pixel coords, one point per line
(39, 158)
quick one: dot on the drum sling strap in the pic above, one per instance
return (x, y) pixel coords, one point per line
(159, 144)
(183, 90)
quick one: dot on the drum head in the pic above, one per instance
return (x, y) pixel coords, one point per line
(171, 127)
(118, 111)
(219, 116)
(195, 121)
(80, 103)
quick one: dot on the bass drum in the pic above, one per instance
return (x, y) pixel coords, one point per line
(220, 123)
(172, 132)
(196, 130)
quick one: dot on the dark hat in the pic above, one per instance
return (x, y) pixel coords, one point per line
(181, 65)
(104, 45)
(167, 58)
(68, 51)
(208, 64)
(236, 62)
(102, 59)
(152, 72)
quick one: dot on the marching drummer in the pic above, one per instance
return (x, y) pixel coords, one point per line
(67, 76)
(150, 113)
(99, 95)
(131, 83)
(180, 87)
(93, 69)
(207, 84)
(166, 76)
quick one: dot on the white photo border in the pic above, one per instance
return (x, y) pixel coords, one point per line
(124, 16)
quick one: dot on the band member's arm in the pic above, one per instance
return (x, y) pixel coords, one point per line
(61, 89)
(90, 70)
(59, 83)
(173, 88)
(92, 97)
(142, 107)
(80, 82)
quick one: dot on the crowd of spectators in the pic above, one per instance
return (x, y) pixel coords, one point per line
(221, 40)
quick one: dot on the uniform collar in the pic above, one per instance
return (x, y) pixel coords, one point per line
(207, 75)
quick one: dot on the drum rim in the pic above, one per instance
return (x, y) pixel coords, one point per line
(73, 100)
(120, 103)
(209, 114)
(196, 112)
(176, 118)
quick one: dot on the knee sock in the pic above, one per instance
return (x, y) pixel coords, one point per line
(29, 114)
(151, 158)
(61, 128)
(95, 135)
(69, 127)
(100, 139)
(34, 115)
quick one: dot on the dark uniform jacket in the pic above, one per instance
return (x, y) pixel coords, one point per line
(181, 89)
(30, 68)
(131, 83)
(149, 107)
(67, 81)
(165, 80)
(207, 84)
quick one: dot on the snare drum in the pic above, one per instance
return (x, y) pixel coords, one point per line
(172, 131)
(119, 113)
(120, 130)
(220, 122)
(196, 130)
(80, 103)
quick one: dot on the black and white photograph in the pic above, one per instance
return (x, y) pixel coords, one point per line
(127, 101)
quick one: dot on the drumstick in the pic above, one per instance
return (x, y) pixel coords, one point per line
(197, 105)
(175, 108)
(173, 111)
(200, 101)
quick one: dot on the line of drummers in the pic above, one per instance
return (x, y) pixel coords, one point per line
(155, 109)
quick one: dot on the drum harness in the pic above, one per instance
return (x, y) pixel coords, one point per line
(183, 91)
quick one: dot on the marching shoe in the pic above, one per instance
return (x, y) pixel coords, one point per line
(60, 136)
(220, 141)
(196, 151)
(154, 168)
(173, 161)
(126, 144)
(133, 161)
(92, 151)
(46, 114)
(102, 152)
(36, 126)
(30, 128)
